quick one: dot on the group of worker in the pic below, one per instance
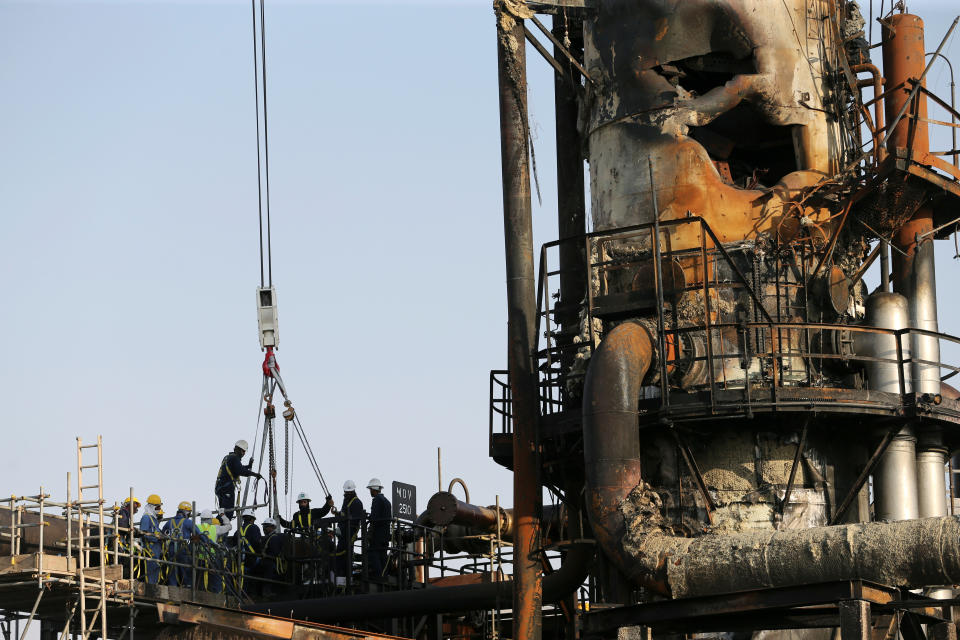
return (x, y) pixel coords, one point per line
(165, 543)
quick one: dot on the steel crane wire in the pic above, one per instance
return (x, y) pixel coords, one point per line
(272, 381)
(260, 153)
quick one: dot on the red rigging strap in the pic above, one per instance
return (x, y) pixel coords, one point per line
(272, 370)
(269, 363)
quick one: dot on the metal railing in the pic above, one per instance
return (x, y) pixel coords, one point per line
(759, 352)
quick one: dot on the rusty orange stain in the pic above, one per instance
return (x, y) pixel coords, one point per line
(662, 27)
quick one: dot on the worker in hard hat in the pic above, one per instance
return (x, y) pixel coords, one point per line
(249, 544)
(306, 520)
(210, 556)
(123, 518)
(228, 477)
(126, 513)
(274, 565)
(350, 519)
(378, 534)
(152, 545)
(180, 530)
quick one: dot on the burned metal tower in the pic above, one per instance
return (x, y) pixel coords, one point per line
(704, 381)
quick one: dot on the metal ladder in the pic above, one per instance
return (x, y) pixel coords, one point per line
(93, 591)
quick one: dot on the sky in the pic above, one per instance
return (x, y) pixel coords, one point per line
(128, 196)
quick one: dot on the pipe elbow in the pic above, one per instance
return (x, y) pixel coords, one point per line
(611, 438)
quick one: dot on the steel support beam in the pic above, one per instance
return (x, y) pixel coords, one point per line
(521, 321)
(571, 205)
(855, 620)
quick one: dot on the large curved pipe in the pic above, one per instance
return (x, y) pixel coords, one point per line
(927, 550)
(611, 436)
(556, 586)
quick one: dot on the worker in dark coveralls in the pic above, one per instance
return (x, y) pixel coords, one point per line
(350, 521)
(378, 533)
(274, 563)
(248, 541)
(306, 521)
(228, 477)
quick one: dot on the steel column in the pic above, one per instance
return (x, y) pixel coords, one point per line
(895, 479)
(571, 206)
(932, 486)
(855, 620)
(521, 321)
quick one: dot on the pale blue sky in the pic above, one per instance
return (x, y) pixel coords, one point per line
(128, 197)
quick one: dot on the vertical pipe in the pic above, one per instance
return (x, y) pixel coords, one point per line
(931, 477)
(904, 59)
(914, 272)
(13, 529)
(895, 477)
(40, 553)
(130, 540)
(884, 266)
(571, 205)
(81, 557)
(193, 552)
(521, 311)
(102, 547)
(914, 269)
(69, 524)
(932, 487)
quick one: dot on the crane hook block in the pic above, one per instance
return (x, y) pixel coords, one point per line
(267, 317)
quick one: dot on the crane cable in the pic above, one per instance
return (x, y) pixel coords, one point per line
(263, 157)
(271, 374)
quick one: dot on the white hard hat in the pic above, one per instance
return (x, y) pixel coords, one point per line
(349, 485)
(374, 484)
(303, 495)
(241, 444)
(206, 514)
(269, 522)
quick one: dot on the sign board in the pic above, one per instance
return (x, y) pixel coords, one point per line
(404, 501)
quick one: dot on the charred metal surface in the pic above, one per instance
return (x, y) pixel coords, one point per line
(893, 553)
(571, 204)
(734, 398)
(699, 84)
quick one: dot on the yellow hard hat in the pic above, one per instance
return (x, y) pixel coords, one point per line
(159, 512)
(185, 506)
(215, 521)
(136, 500)
(154, 499)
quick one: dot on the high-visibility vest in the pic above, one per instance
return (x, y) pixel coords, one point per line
(298, 520)
(210, 531)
